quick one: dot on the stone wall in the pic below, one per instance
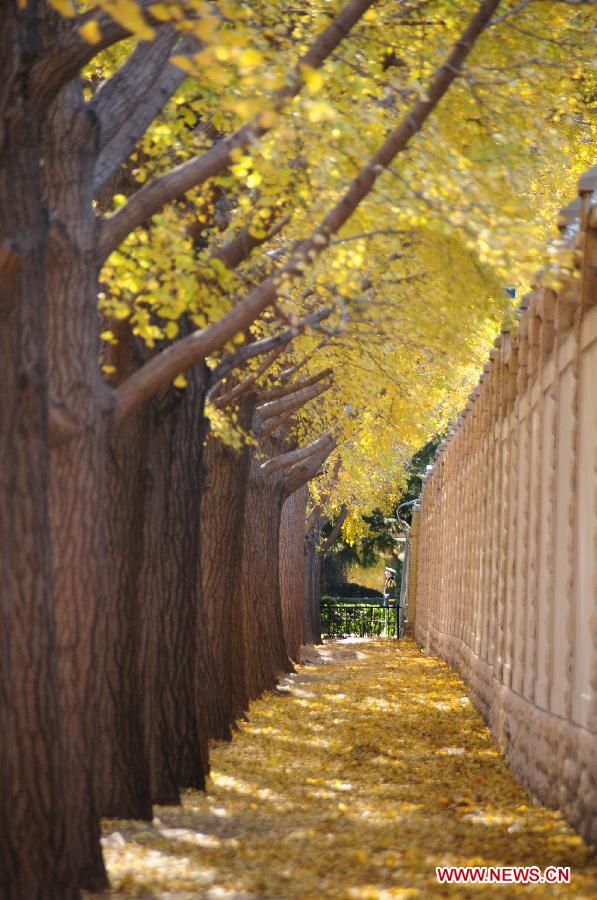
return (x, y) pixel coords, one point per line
(507, 564)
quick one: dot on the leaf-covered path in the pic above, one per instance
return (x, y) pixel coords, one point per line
(355, 780)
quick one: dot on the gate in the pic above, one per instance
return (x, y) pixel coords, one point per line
(365, 617)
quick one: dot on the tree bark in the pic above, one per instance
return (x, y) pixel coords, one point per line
(225, 473)
(313, 584)
(264, 646)
(77, 461)
(292, 570)
(123, 777)
(97, 628)
(170, 592)
(35, 858)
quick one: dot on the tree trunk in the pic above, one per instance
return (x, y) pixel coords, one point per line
(123, 777)
(313, 585)
(292, 570)
(35, 860)
(225, 473)
(170, 593)
(77, 460)
(264, 646)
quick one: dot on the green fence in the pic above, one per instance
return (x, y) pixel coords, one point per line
(365, 617)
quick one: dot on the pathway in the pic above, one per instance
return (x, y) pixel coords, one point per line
(354, 781)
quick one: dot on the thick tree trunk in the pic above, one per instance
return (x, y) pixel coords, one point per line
(170, 592)
(35, 861)
(225, 473)
(292, 570)
(123, 777)
(264, 646)
(313, 562)
(77, 461)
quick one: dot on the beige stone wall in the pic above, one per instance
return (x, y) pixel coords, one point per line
(413, 573)
(507, 561)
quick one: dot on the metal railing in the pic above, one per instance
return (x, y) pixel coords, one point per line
(365, 617)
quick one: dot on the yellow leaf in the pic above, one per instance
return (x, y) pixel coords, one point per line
(267, 118)
(91, 32)
(184, 63)
(160, 11)
(171, 330)
(128, 14)
(64, 7)
(319, 111)
(250, 57)
(312, 78)
(180, 381)
(254, 179)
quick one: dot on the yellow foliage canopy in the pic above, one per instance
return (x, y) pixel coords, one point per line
(417, 276)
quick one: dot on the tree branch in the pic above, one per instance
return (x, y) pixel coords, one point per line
(308, 468)
(269, 412)
(67, 56)
(128, 102)
(337, 528)
(275, 393)
(164, 367)
(165, 188)
(286, 374)
(241, 244)
(274, 424)
(119, 96)
(315, 516)
(287, 460)
(243, 386)
(265, 345)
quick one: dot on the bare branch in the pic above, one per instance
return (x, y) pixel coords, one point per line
(286, 391)
(512, 12)
(186, 352)
(269, 412)
(239, 246)
(155, 194)
(308, 468)
(119, 95)
(316, 516)
(265, 345)
(371, 234)
(313, 516)
(524, 3)
(337, 528)
(287, 460)
(274, 424)
(128, 102)
(243, 386)
(67, 56)
(286, 374)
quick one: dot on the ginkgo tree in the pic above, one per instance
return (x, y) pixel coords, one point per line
(125, 180)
